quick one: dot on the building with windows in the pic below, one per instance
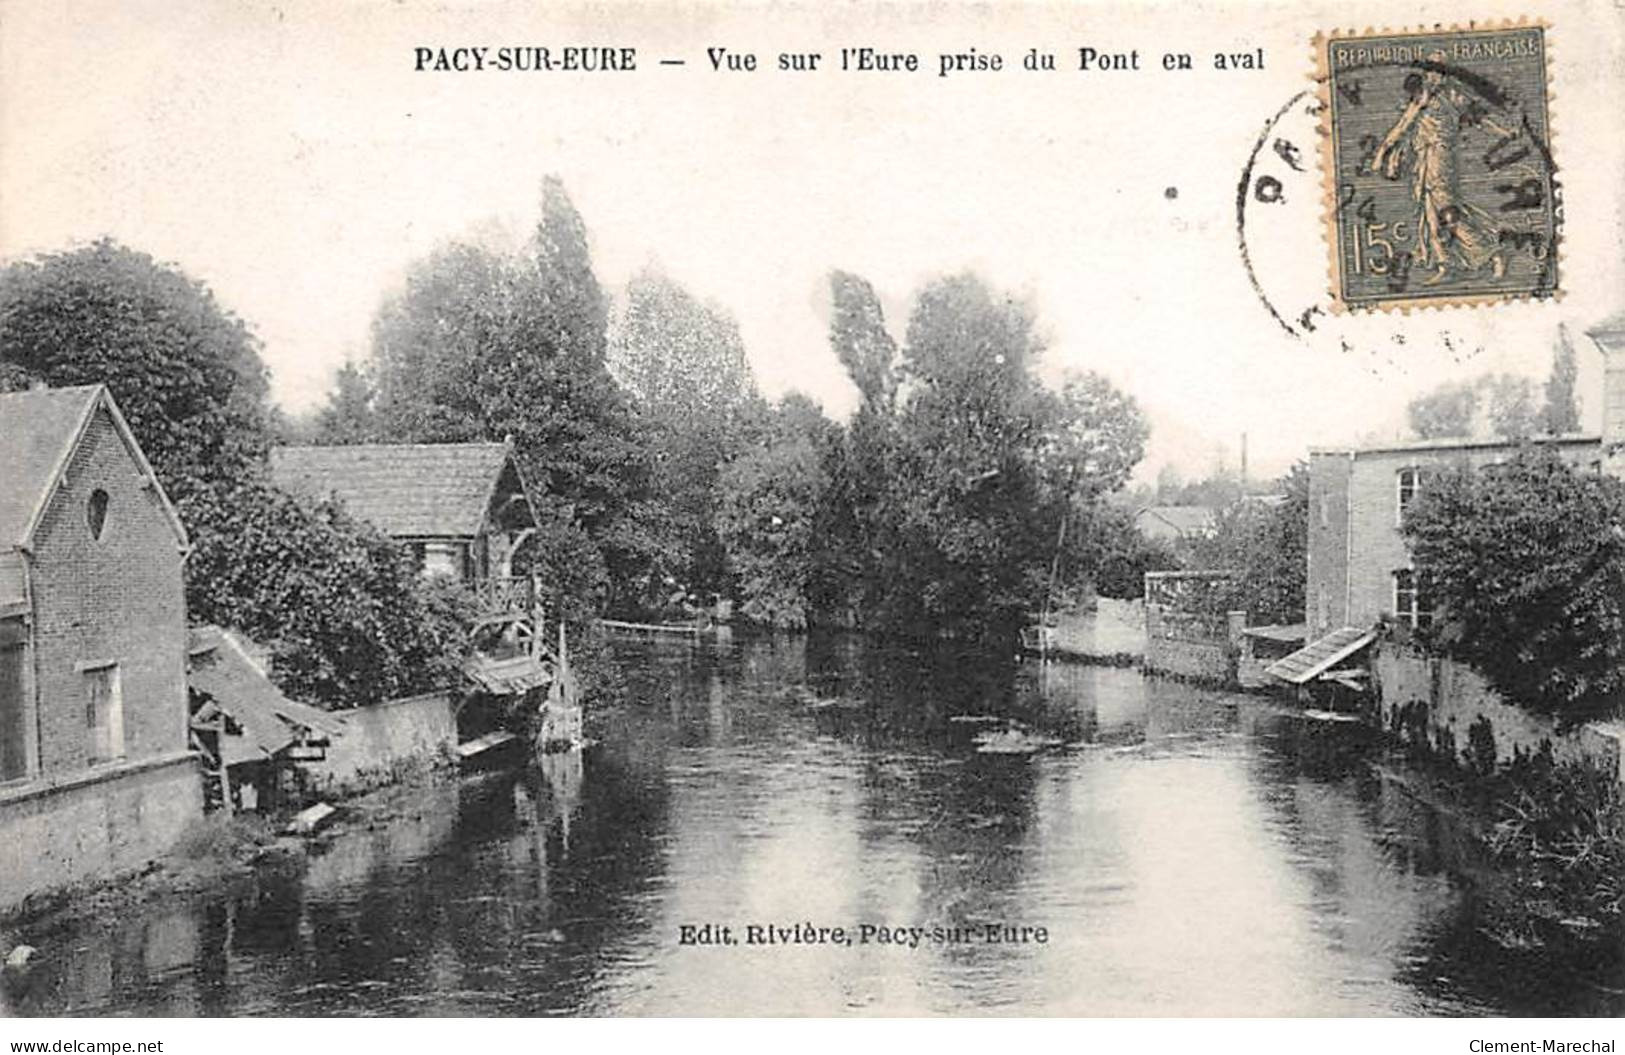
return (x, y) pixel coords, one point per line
(96, 776)
(1360, 567)
(462, 508)
(1359, 564)
(465, 511)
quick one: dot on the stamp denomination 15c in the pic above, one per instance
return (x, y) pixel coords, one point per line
(1439, 181)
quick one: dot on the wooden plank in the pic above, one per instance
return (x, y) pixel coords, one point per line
(314, 819)
(656, 628)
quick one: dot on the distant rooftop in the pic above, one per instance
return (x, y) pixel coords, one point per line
(1455, 443)
(409, 490)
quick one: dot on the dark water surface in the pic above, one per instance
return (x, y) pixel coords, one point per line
(1187, 852)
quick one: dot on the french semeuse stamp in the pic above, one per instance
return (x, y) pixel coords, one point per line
(1440, 185)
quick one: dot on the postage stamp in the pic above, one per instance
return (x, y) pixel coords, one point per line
(1440, 186)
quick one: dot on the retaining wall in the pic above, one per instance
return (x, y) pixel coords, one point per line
(1456, 698)
(94, 824)
(382, 736)
(1188, 645)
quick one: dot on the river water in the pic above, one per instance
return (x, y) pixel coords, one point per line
(1186, 852)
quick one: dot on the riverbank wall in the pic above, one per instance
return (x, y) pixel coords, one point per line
(94, 825)
(381, 739)
(1448, 710)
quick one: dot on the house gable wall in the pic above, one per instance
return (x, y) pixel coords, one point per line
(119, 598)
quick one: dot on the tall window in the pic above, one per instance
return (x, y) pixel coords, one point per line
(13, 712)
(1409, 482)
(1413, 601)
(104, 713)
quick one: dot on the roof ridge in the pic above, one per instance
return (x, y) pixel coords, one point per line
(385, 446)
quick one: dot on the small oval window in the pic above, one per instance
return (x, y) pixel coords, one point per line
(96, 513)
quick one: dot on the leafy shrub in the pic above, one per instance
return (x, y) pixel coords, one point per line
(1526, 562)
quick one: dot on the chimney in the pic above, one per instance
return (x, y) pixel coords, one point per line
(1610, 338)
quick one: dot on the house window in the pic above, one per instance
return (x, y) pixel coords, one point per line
(1325, 510)
(443, 558)
(1409, 482)
(96, 513)
(1413, 601)
(13, 713)
(104, 713)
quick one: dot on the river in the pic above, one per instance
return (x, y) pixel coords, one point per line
(1186, 852)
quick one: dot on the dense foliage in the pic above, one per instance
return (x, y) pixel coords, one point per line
(185, 371)
(340, 605)
(1526, 562)
(771, 515)
(683, 363)
(344, 615)
(1267, 544)
(959, 476)
(483, 345)
(1562, 411)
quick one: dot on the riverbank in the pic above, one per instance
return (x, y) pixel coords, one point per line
(222, 853)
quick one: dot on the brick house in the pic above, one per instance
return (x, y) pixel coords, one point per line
(1359, 566)
(95, 772)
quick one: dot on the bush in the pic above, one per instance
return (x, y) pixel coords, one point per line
(342, 608)
(1526, 563)
(1559, 833)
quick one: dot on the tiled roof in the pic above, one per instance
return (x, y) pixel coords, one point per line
(37, 428)
(219, 668)
(406, 490)
(1320, 656)
(505, 677)
(1187, 520)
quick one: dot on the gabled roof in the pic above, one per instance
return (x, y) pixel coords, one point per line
(39, 431)
(1320, 656)
(219, 668)
(406, 490)
(1187, 520)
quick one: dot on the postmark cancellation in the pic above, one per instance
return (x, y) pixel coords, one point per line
(1440, 187)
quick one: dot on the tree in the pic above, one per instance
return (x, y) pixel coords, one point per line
(857, 333)
(1446, 411)
(770, 513)
(1268, 545)
(1492, 405)
(1526, 565)
(684, 364)
(1561, 413)
(960, 468)
(348, 416)
(483, 346)
(185, 371)
(1117, 553)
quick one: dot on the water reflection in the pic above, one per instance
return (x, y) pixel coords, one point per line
(1185, 852)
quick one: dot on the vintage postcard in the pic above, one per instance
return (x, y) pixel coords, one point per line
(730, 509)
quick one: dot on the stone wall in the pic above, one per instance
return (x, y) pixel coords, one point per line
(1189, 645)
(378, 738)
(94, 824)
(1436, 703)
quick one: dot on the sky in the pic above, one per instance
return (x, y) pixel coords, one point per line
(290, 156)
